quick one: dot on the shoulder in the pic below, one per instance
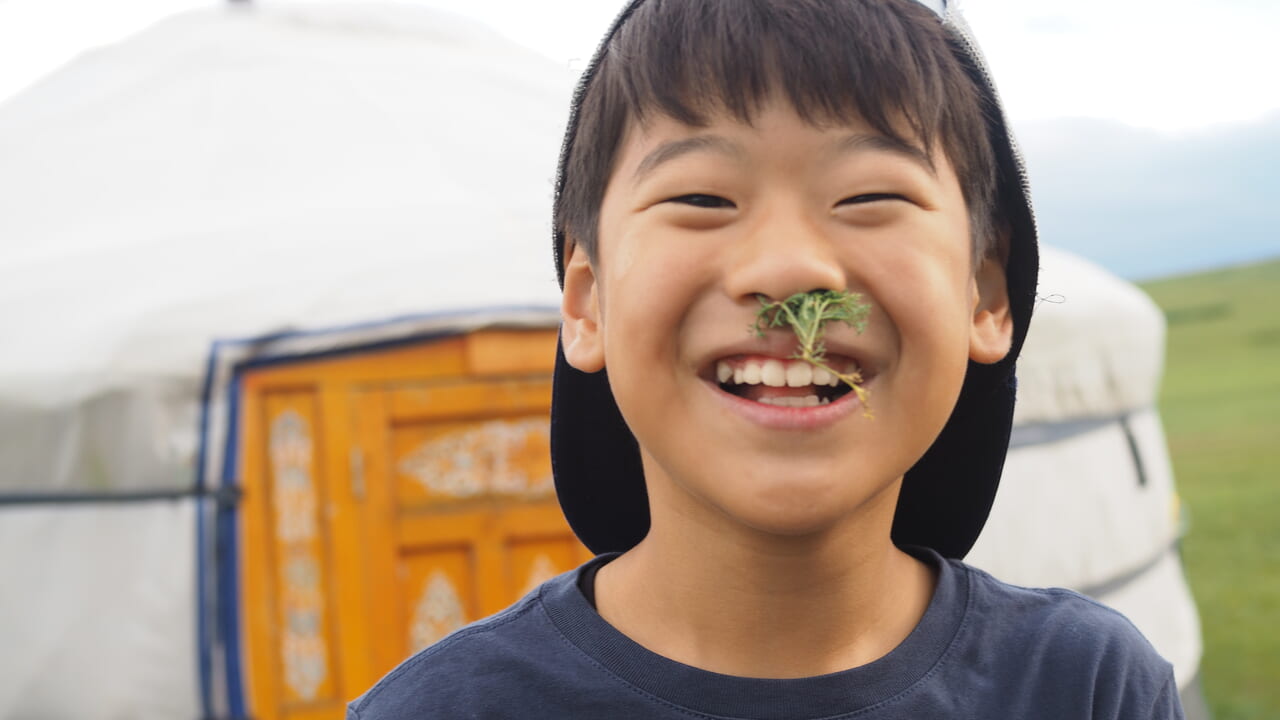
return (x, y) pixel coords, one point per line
(1066, 648)
(450, 673)
(1074, 623)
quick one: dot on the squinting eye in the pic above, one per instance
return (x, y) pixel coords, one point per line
(702, 200)
(870, 197)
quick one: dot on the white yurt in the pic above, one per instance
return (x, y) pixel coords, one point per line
(277, 305)
(243, 183)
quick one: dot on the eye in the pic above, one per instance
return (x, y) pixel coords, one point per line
(702, 200)
(869, 198)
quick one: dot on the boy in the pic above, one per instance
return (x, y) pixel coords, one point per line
(773, 544)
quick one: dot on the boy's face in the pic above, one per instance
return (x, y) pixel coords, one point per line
(696, 223)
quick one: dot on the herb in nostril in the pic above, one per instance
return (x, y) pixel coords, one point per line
(807, 314)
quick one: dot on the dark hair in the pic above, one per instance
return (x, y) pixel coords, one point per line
(889, 62)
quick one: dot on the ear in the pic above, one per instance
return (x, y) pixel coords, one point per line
(580, 312)
(991, 335)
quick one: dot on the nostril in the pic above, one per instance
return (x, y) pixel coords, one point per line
(767, 299)
(785, 259)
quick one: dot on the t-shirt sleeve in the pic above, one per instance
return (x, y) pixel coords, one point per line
(1131, 680)
(1053, 653)
(1167, 705)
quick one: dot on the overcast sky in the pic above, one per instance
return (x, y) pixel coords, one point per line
(1154, 78)
(1171, 65)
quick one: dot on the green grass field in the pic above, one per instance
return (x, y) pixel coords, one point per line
(1221, 407)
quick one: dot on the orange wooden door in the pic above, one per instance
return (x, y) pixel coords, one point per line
(390, 498)
(461, 508)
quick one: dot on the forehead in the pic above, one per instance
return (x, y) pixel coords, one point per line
(659, 140)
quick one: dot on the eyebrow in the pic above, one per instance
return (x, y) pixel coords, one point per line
(857, 142)
(669, 151)
(882, 143)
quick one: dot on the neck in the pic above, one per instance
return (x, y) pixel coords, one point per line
(766, 606)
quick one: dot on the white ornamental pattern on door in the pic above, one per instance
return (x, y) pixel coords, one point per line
(541, 570)
(302, 643)
(438, 612)
(490, 458)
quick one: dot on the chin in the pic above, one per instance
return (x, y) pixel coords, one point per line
(797, 509)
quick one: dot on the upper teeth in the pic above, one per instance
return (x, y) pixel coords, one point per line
(775, 373)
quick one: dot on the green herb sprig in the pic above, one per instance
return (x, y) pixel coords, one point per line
(807, 314)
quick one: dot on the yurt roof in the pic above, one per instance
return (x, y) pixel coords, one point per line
(240, 172)
(1095, 349)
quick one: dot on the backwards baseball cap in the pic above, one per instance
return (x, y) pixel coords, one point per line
(945, 497)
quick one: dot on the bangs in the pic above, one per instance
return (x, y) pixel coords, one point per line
(834, 61)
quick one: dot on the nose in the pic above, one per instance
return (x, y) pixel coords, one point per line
(780, 257)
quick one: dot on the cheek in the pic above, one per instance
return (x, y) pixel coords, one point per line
(652, 279)
(936, 343)
(924, 296)
(916, 288)
(640, 303)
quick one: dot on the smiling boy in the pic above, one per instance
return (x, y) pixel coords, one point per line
(768, 550)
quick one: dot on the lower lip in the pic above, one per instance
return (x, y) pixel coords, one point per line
(777, 417)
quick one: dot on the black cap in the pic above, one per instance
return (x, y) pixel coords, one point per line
(946, 496)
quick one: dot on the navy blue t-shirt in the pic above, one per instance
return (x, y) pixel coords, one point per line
(984, 650)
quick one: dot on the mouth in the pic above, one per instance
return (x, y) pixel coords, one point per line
(788, 382)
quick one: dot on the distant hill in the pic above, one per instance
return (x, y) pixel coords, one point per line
(1146, 205)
